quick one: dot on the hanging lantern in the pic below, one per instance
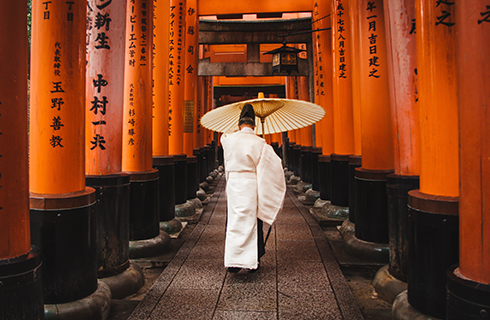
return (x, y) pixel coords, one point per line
(284, 59)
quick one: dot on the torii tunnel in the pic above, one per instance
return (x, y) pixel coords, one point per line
(103, 155)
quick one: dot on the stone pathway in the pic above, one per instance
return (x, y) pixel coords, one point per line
(299, 277)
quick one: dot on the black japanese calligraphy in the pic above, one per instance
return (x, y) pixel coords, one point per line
(485, 15)
(98, 141)
(445, 14)
(55, 141)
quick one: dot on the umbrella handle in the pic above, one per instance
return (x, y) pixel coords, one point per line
(262, 120)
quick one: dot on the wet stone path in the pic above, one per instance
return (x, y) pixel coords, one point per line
(299, 277)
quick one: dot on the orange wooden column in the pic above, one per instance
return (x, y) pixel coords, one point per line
(354, 17)
(303, 94)
(277, 137)
(176, 76)
(59, 201)
(322, 51)
(104, 84)
(19, 264)
(161, 115)
(473, 275)
(106, 24)
(402, 57)
(210, 105)
(323, 68)
(190, 80)
(15, 238)
(296, 90)
(201, 103)
(290, 95)
(377, 144)
(473, 101)
(57, 163)
(343, 121)
(137, 158)
(437, 198)
(137, 121)
(355, 159)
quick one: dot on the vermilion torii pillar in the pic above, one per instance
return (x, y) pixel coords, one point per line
(176, 76)
(377, 145)
(400, 19)
(177, 70)
(103, 147)
(343, 120)
(433, 209)
(303, 94)
(137, 133)
(402, 57)
(322, 51)
(21, 290)
(355, 159)
(291, 134)
(211, 104)
(468, 285)
(160, 78)
(290, 95)
(201, 103)
(306, 134)
(190, 96)
(61, 206)
(191, 54)
(161, 159)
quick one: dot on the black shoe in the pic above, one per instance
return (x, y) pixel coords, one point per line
(234, 270)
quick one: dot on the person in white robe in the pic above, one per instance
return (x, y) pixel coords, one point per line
(255, 190)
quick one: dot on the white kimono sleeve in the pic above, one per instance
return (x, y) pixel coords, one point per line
(271, 185)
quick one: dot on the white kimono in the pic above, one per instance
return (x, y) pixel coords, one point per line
(255, 188)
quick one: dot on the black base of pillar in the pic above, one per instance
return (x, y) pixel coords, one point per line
(387, 286)
(325, 176)
(166, 186)
(220, 156)
(204, 165)
(171, 227)
(112, 222)
(466, 299)
(365, 250)
(402, 310)
(398, 187)
(433, 246)
(180, 178)
(125, 283)
(289, 155)
(296, 160)
(21, 292)
(306, 164)
(67, 240)
(96, 306)
(371, 205)
(339, 166)
(192, 183)
(144, 213)
(197, 153)
(354, 162)
(315, 183)
(149, 247)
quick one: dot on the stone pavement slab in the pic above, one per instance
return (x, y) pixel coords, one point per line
(299, 277)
